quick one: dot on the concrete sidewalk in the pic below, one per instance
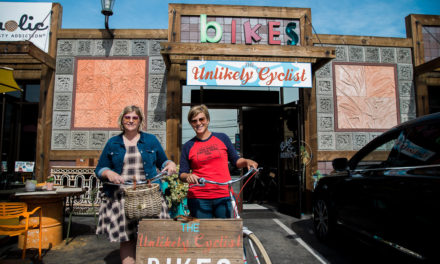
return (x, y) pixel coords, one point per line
(83, 247)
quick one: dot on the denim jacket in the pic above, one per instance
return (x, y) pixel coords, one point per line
(112, 157)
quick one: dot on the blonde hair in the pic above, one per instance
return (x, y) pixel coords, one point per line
(195, 110)
(128, 109)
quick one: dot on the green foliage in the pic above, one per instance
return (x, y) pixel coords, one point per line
(50, 179)
(176, 190)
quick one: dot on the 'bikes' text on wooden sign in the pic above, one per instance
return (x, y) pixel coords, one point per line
(204, 241)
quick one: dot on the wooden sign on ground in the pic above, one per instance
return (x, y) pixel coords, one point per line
(202, 241)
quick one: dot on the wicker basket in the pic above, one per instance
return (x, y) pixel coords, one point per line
(143, 200)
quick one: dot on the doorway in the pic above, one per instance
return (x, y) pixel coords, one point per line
(20, 120)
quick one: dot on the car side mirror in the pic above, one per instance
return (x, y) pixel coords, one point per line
(340, 164)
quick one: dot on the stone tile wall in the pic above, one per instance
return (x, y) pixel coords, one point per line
(330, 140)
(63, 137)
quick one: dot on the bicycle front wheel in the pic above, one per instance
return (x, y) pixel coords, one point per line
(254, 251)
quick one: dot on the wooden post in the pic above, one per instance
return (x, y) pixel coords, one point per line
(174, 112)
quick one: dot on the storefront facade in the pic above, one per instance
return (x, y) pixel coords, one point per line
(360, 86)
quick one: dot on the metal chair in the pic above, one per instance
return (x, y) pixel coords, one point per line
(19, 211)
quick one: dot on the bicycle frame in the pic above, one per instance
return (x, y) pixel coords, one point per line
(253, 240)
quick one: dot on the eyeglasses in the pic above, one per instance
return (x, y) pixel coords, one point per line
(201, 120)
(128, 118)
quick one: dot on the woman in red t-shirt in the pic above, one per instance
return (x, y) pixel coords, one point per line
(206, 156)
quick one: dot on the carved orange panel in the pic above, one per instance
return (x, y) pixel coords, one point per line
(103, 87)
(366, 98)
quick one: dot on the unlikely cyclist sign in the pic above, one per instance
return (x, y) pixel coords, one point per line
(201, 241)
(249, 73)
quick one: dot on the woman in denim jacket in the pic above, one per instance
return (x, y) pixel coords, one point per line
(132, 153)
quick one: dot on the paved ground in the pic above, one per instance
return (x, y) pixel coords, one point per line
(86, 247)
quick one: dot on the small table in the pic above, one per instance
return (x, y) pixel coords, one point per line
(51, 203)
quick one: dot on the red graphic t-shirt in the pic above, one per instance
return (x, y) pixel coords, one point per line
(209, 159)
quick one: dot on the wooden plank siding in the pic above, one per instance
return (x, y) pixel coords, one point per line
(118, 34)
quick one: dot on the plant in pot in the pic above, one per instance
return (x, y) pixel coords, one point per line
(49, 183)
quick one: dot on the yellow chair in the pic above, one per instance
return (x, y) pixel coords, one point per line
(19, 211)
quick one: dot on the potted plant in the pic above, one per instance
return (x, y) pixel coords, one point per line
(49, 183)
(175, 194)
(30, 185)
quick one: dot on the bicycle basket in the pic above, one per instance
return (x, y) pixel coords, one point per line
(143, 200)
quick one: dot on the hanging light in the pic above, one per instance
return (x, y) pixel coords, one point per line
(7, 81)
(107, 10)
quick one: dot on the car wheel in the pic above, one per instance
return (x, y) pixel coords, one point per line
(323, 220)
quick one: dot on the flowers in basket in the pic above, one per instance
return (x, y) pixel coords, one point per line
(175, 191)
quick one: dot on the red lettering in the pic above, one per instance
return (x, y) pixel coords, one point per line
(273, 33)
(196, 240)
(303, 76)
(233, 31)
(251, 33)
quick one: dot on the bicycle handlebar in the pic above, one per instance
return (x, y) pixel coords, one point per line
(160, 175)
(203, 181)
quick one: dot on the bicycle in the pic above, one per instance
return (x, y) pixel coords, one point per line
(251, 244)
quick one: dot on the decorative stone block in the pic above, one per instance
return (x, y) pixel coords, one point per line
(372, 54)
(61, 120)
(341, 53)
(407, 106)
(325, 104)
(63, 83)
(84, 47)
(404, 55)
(374, 135)
(102, 47)
(326, 141)
(113, 133)
(157, 102)
(98, 139)
(360, 139)
(157, 65)
(64, 65)
(62, 101)
(139, 47)
(405, 72)
(325, 71)
(388, 55)
(344, 141)
(406, 117)
(355, 53)
(65, 47)
(406, 89)
(161, 136)
(120, 47)
(155, 47)
(79, 139)
(325, 122)
(324, 86)
(156, 121)
(60, 139)
(157, 84)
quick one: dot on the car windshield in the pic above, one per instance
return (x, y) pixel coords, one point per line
(419, 146)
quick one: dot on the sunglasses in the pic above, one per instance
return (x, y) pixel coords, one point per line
(201, 120)
(128, 118)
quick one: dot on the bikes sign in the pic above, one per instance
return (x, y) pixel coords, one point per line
(203, 241)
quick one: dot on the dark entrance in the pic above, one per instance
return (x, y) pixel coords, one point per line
(265, 126)
(20, 125)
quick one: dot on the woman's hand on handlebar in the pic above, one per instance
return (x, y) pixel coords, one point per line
(190, 178)
(113, 177)
(246, 163)
(170, 168)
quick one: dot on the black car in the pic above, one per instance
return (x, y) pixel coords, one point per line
(388, 191)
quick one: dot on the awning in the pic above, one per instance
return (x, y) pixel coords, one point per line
(7, 81)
